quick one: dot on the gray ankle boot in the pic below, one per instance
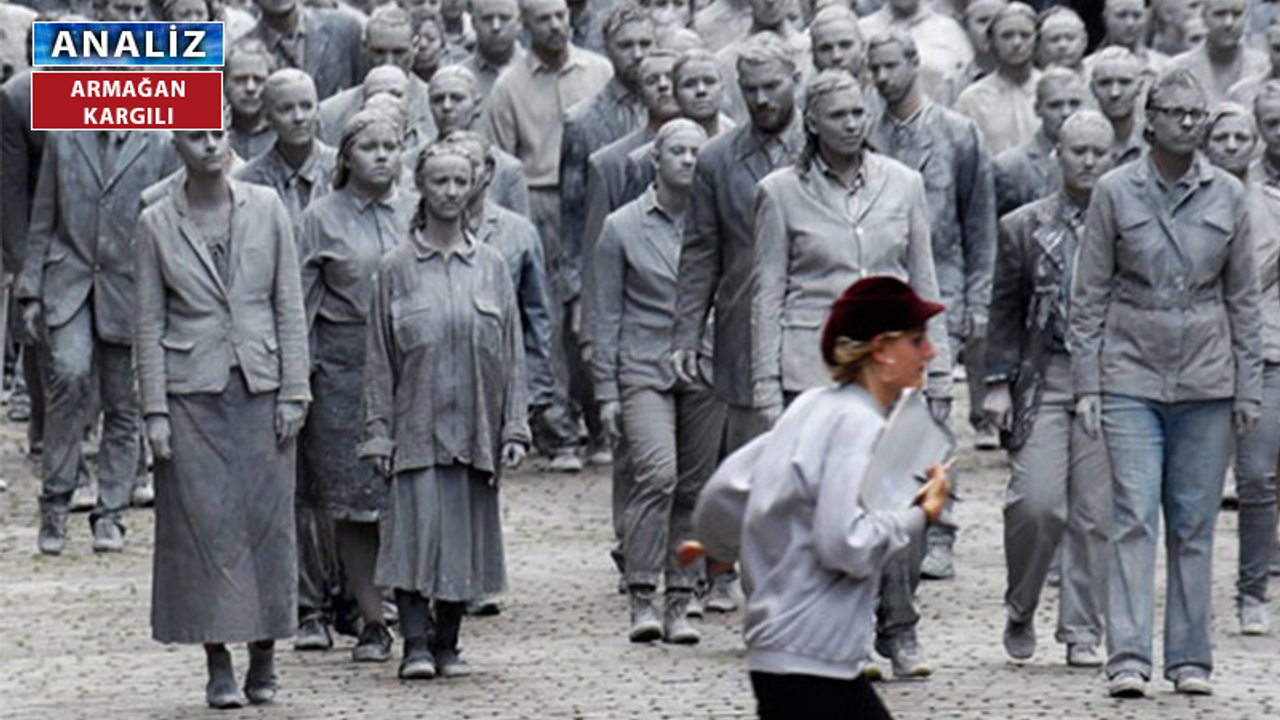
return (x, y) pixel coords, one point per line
(676, 627)
(221, 692)
(645, 624)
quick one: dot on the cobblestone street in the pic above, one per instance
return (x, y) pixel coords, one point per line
(75, 638)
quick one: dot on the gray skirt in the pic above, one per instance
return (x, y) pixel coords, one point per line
(335, 479)
(225, 564)
(441, 535)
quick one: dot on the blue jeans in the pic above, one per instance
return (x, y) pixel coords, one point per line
(1256, 456)
(1171, 457)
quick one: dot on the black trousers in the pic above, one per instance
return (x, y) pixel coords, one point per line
(787, 697)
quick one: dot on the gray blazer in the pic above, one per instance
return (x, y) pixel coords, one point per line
(332, 53)
(83, 223)
(808, 250)
(590, 125)
(606, 192)
(192, 327)
(1026, 173)
(946, 148)
(1165, 300)
(634, 295)
(717, 261)
(20, 152)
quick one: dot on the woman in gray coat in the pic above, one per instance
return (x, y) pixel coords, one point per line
(222, 362)
(342, 238)
(1165, 334)
(444, 413)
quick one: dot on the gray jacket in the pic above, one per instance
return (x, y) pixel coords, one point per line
(635, 269)
(332, 49)
(947, 150)
(1264, 221)
(296, 188)
(83, 224)
(1026, 173)
(1165, 300)
(606, 191)
(717, 261)
(788, 505)
(808, 249)
(20, 151)
(1033, 275)
(192, 327)
(589, 126)
(517, 239)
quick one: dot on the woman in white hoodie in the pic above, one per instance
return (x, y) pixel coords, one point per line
(811, 555)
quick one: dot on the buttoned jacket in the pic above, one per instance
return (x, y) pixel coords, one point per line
(947, 150)
(607, 191)
(83, 224)
(812, 240)
(1165, 300)
(717, 260)
(1264, 222)
(192, 326)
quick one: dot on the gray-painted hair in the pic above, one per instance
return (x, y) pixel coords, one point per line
(899, 37)
(671, 127)
(765, 49)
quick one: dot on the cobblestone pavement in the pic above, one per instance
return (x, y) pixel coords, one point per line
(75, 635)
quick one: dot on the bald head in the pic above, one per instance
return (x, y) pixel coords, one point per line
(389, 79)
(1085, 151)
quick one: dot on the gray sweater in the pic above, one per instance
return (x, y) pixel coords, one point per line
(811, 556)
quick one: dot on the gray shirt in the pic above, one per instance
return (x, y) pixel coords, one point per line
(1165, 300)
(342, 238)
(445, 383)
(297, 187)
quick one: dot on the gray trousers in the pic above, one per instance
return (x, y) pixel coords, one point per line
(1256, 456)
(674, 438)
(555, 426)
(1059, 493)
(75, 352)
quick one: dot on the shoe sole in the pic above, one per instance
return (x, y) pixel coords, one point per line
(100, 547)
(260, 697)
(370, 655)
(719, 607)
(916, 672)
(645, 633)
(427, 672)
(50, 550)
(683, 640)
(312, 646)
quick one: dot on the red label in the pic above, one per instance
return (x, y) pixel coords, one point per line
(126, 100)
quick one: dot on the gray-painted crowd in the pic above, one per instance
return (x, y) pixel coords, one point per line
(436, 235)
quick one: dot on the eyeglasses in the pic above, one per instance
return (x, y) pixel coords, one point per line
(1197, 115)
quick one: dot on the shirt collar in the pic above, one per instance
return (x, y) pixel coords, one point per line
(791, 137)
(310, 170)
(649, 203)
(859, 179)
(466, 253)
(275, 36)
(1194, 176)
(386, 199)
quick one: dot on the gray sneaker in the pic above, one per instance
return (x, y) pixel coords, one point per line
(565, 461)
(53, 531)
(1127, 684)
(720, 596)
(1082, 655)
(108, 536)
(904, 654)
(1193, 682)
(938, 563)
(1254, 619)
(1020, 639)
(83, 499)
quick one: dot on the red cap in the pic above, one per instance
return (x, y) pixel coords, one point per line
(872, 306)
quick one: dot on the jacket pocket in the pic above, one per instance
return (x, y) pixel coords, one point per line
(177, 345)
(410, 325)
(487, 331)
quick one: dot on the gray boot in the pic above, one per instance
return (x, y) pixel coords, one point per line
(676, 627)
(645, 624)
(221, 692)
